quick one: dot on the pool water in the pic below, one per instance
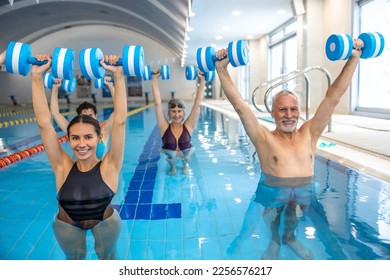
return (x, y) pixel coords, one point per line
(209, 214)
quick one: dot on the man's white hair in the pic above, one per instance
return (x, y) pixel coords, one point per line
(283, 93)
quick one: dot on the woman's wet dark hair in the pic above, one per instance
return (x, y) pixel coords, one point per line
(85, 106)
(85, 119)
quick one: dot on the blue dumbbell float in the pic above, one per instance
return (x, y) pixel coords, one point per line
(147, 73)
(209, 76)
(132, 61)
(69, 85)
(18, 60)
(66, 85)
(165, 72)
(191, 74)
(99, 83)
(237, 52)
(339, 46)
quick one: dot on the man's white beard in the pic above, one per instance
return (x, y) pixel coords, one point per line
(288, 128)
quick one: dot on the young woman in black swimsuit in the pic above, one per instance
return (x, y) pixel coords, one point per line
(85, 187)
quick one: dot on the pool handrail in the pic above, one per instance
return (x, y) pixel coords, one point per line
(270, 82)
(293, 75)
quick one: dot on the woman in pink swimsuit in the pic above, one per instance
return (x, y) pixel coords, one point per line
(176, 133)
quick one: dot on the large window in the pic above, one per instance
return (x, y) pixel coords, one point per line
(283, 52)
(373, 92)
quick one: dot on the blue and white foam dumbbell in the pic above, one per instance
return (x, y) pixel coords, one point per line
(132, 61)
(237, 52)
(209, 76)
(18, 60)
(339, 46)
(69, 85)
(191, 74)
(66, 85)
(48, 80)
(165, 72)
(99, 83)
(374, 44)
(147, 73)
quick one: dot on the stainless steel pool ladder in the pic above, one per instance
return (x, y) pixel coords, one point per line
(284, 78)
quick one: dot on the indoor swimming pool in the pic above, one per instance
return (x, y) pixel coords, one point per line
(209, 214)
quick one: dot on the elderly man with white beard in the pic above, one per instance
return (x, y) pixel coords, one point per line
(288, 151)
(286, 185)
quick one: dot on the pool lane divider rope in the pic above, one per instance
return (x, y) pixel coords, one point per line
(6, 124)
(26, 153)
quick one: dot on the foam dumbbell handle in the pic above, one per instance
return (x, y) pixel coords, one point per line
(34, 61)
(374, 44)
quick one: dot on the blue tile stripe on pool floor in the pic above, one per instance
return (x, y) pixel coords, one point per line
(138, 200)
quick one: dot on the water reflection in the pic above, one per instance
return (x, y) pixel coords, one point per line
(278, 204)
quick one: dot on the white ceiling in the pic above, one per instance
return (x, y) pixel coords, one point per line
(163, 21)
(214, 18)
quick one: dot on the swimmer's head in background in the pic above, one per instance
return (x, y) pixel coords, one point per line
(174, 102)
